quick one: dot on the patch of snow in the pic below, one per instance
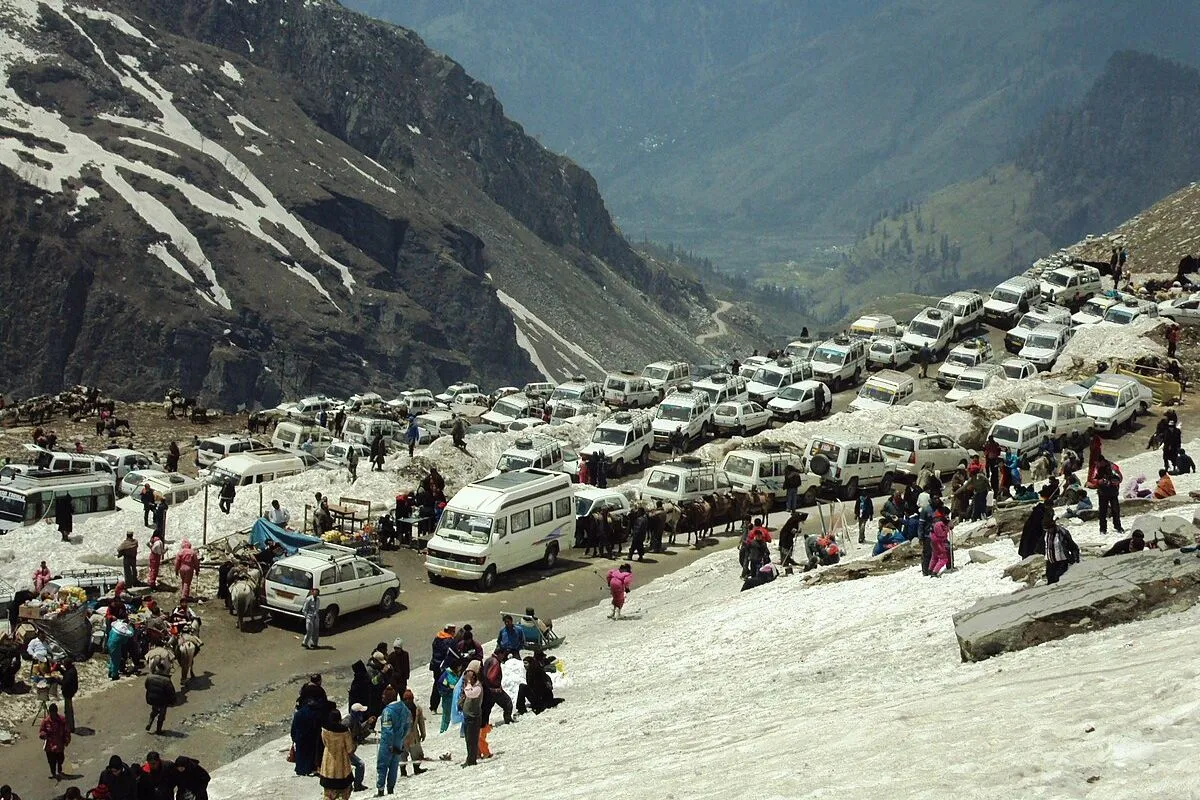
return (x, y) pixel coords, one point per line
(310, 279)
(114, 20)
(190, 69)
(249, 46)
(231, 72)
(521, 314)
(238, 122)
(414, 129)
(84, 196)
(148, 145)
(251, 148)
(1107, 341)
(367, 176)
(160, 251)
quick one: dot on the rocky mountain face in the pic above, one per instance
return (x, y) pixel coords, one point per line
(257, 198)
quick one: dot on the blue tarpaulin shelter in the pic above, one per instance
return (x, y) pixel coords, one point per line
(264, 532)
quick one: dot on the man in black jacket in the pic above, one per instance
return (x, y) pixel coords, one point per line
(191, 779)
(537, 691)
(160, 693)
(155, 780)
(1033, 534)
(119, 780)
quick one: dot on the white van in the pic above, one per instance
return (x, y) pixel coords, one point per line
(932, 328)
(839, 362)
(800, 350)
(722, 387)
(1093, 310)
(498, 524)
(541, 452)
(261, 467)
(1014, 339)
(1010, 300)
(1127, 312)
(172, 486)
(666, 375)
(434, 425)
(770, 378)
(750, 366)
(1045, 344)
(29, 498)
(362, 429)
(348, 583)
(975, 379)
(1071, 284)
(966, 308)
(764, 469)
(59, 461)
(686, 478)
(359, 402)
(507, 410)
(212, 449)
(1064, 415)
(454, 390)
(870, 326)
(801, 400)
(123, 461)
(292, 435)
(1114, 401)
(580, 390)
(684, 409)
(627, 389)
(1023, 434)
(310, 406)
(626, 438)
(884, 389)
(966, 355)
(574, 411)
(542, 389)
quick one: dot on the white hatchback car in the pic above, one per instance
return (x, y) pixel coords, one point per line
(348, 583)
(740, 417)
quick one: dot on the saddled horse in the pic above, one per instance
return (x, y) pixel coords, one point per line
(243, 591)
(185, 646)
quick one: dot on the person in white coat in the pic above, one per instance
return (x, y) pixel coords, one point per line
(312, 618)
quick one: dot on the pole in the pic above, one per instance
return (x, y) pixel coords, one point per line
(204, 530)
(260, 500)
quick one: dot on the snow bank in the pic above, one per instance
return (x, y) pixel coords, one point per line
(861, 425)
(1107, 341)
(1004, 397)
(774, 704)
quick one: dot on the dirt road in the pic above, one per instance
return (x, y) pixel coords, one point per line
(246, 683)
(722, 328)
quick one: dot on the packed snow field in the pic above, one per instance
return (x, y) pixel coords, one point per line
(846, 690)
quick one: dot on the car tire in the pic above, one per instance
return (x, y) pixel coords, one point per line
(617, 469)
(551, 556)
(857, 376)
(885, 485)
(809, 498)
(850, 491)
(329, 619)
(434, 578)
(487, 581)
(644, 458)
(742, 431)
(387, 603)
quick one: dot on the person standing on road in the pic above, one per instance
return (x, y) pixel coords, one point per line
(187, 564)
(638, 525)
(160, 694)
(924, 358)
(864, 512)
(55, 735)
(311, 610)
(69, 686)
(792, 478)
(412, 435)
(127, 551)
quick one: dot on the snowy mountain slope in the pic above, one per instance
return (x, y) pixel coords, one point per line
(853, 689)
(254, 198)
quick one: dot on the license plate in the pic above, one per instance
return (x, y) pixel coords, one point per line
(285, 595)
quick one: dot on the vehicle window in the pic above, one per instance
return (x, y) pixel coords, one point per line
(691, 483)
(346, 572)
(366, 569)
(543, 514)
(706, 483)
(663, 481)
(876, 455)
(739, 465)
(328, 576)
(852, 455)
(894, 442)
(290, 576)
(519, 521)
(562, 507)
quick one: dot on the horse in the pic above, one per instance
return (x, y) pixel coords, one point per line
(160, 660)
(243, 592)
(1039, 469)
(186, 646)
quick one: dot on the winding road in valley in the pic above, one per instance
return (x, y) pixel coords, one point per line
(722, 328)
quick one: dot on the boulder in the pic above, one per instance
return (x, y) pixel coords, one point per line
(1176, 531)
(894, 560)
(1091, 596)
(1028, 571)
(1010, 517)
(978, 556)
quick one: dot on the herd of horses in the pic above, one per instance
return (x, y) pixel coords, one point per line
(75, 403)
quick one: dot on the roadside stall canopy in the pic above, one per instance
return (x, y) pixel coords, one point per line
(264, 533)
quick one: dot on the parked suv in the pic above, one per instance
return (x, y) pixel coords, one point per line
(1014, 340)
(845, 466)
(627, 389)
(1127, 312)
(686, 478)
(684, 409)
(348, 583)
(888, 351)
(1070, 285)
(966, 308)
(722, 387)
(840, 362)
(626, 438)
(1045, 344)
(580, 390)
(915, 447)
(765, 467)
(802, 400)
(1010, 300)
(1114, 401)
(932, 328)
(666, 375)
(740, 417)
(963, 357)
(768, 379)
(1064, 416)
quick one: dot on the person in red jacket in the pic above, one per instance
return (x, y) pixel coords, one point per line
(55, 736)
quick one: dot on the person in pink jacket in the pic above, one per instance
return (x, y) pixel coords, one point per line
(620, 583)
(41, 576)
(940, 539)
(187, 564)
(157, 549)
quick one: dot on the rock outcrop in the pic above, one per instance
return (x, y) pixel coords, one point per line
(1095, 594)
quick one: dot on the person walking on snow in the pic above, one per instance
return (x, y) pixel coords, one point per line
(187, 564)
(228, 493)
(127, 551)
(412, 435)
(940, 539)
(146, 496)
(620, 583)
(394, 724)
(352, 463)
(157, 549)
(160, 518)
(864, 512)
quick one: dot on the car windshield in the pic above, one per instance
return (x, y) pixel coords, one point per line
(1101, 397)
(1014, 370)
(663, 481)
(768, 377)
(893, 441)
(508, 409)
(336, 451)
(565, 392)
(739, 465)
(111, 459)
(656, 373)
(211, 447)
(1005, 433)
(511, 461)
(1006, 296)
(711, 391)
(1040, 410)
(1120, 315)
(610, 436)
(726, 410)
(828, 355)
(791, 393)
(675, 413)
(878, 394)
(962, 359)
(465, 527)
(1042, 341)
(1057, 279)
(969, 384)
(923, 328)
(1095, 308)
(290, 576)
(801, 352)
